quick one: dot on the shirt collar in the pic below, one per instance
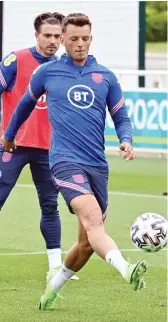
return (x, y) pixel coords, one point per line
(40, 57)
(68, 60)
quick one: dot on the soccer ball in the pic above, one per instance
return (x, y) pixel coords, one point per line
(149, 232)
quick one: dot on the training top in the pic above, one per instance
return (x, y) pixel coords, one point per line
(76, 100)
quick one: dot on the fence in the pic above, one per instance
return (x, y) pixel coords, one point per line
(148, 111)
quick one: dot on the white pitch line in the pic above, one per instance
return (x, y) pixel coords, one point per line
(44, 253)
(114, 193)
(23, 185)
(138, 195)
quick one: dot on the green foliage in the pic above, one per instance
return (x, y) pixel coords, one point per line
(158, 5)
(156, 21)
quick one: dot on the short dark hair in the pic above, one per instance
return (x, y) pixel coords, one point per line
(54, 18)
(76, 19)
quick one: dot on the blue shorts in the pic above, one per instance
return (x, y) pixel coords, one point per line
(74, 179)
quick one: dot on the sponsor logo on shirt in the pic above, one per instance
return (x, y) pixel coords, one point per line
(81, 96)
(10, 59)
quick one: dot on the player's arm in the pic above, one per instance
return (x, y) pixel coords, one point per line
(8, 71)
(122, 123)
(25, 106)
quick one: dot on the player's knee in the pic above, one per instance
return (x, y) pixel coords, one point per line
(50, 214)
(48, 207)
(94, 219)
(48, 202)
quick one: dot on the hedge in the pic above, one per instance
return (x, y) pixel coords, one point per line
(156, 23)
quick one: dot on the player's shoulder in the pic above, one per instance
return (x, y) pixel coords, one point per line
(9, 59)
(53, 62)
(22, 53)
(108, 72)
(12, 56)
(51, 65)
(45, 67)
(105, 69)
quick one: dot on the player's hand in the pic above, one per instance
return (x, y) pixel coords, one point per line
(127, 151)
(7, 146)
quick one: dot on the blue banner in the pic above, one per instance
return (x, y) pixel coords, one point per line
(148, 112)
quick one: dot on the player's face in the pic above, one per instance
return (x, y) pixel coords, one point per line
(48, 39)
(77, 42)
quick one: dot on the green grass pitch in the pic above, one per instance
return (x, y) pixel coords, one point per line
(101, 294)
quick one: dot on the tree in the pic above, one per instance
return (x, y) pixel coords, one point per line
(156, 21)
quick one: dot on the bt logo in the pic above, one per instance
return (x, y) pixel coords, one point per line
(81, 96)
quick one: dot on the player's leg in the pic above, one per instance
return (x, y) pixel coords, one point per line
(80, 253)
(70, 176)
(76, 190)
(107, 249)
(50, 224)
(76, 258)
(90, 210)
(11, 166)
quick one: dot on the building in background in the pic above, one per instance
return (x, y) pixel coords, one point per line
(115, 29)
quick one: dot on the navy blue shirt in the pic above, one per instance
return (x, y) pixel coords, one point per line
(76, 101)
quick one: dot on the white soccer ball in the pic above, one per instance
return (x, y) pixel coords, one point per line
(149, 232)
